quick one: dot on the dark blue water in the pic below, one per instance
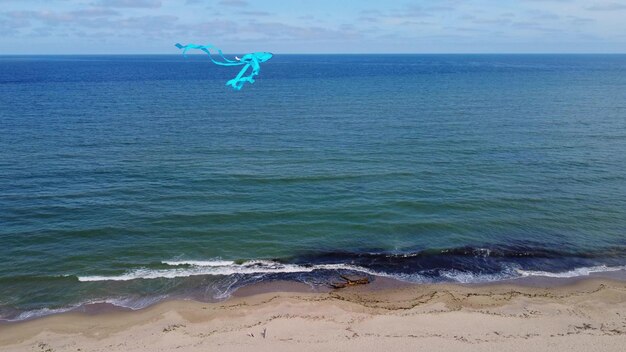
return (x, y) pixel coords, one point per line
(129, 179)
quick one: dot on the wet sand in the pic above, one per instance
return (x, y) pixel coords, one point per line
(580, 315)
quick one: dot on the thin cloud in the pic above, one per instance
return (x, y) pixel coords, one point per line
(612, 6)
(233, 3)
(145, 4)
(254, 13)
(283, 25)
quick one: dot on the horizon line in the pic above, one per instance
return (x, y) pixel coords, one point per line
(337, 53)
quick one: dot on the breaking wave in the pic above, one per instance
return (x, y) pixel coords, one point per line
(143, 284)
(222, 268)
(584, 271)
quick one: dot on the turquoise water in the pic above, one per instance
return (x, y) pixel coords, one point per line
(129, 179)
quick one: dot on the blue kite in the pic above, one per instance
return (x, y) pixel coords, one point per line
(248, 61)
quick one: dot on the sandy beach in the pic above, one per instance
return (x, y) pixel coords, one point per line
(585, 315)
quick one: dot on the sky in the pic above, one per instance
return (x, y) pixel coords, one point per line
(313, 26)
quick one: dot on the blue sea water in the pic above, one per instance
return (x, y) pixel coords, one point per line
(131, 179)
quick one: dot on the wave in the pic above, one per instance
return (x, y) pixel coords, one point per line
(188, 268)
(510, 251)
(232, 275)
(37, 313)
(223, 268)
(583, 271)
(132, 303)
(199, 262)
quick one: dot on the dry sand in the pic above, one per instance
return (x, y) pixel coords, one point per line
(587, 315)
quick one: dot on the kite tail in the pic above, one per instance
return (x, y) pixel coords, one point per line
(225, 59)
(207, 49)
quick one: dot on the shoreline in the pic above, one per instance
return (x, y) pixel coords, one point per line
(377, 283)
(575, 313)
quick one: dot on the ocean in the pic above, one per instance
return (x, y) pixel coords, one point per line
(132, 179)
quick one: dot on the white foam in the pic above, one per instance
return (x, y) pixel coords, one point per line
(223, 268)
(187, 268)
(472, 278)
(225, 288)
(261, 267)
(199, 262)
(36, 313)
(584, 271)
(133, 303)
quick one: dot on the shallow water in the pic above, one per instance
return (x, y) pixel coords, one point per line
(128, 179)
